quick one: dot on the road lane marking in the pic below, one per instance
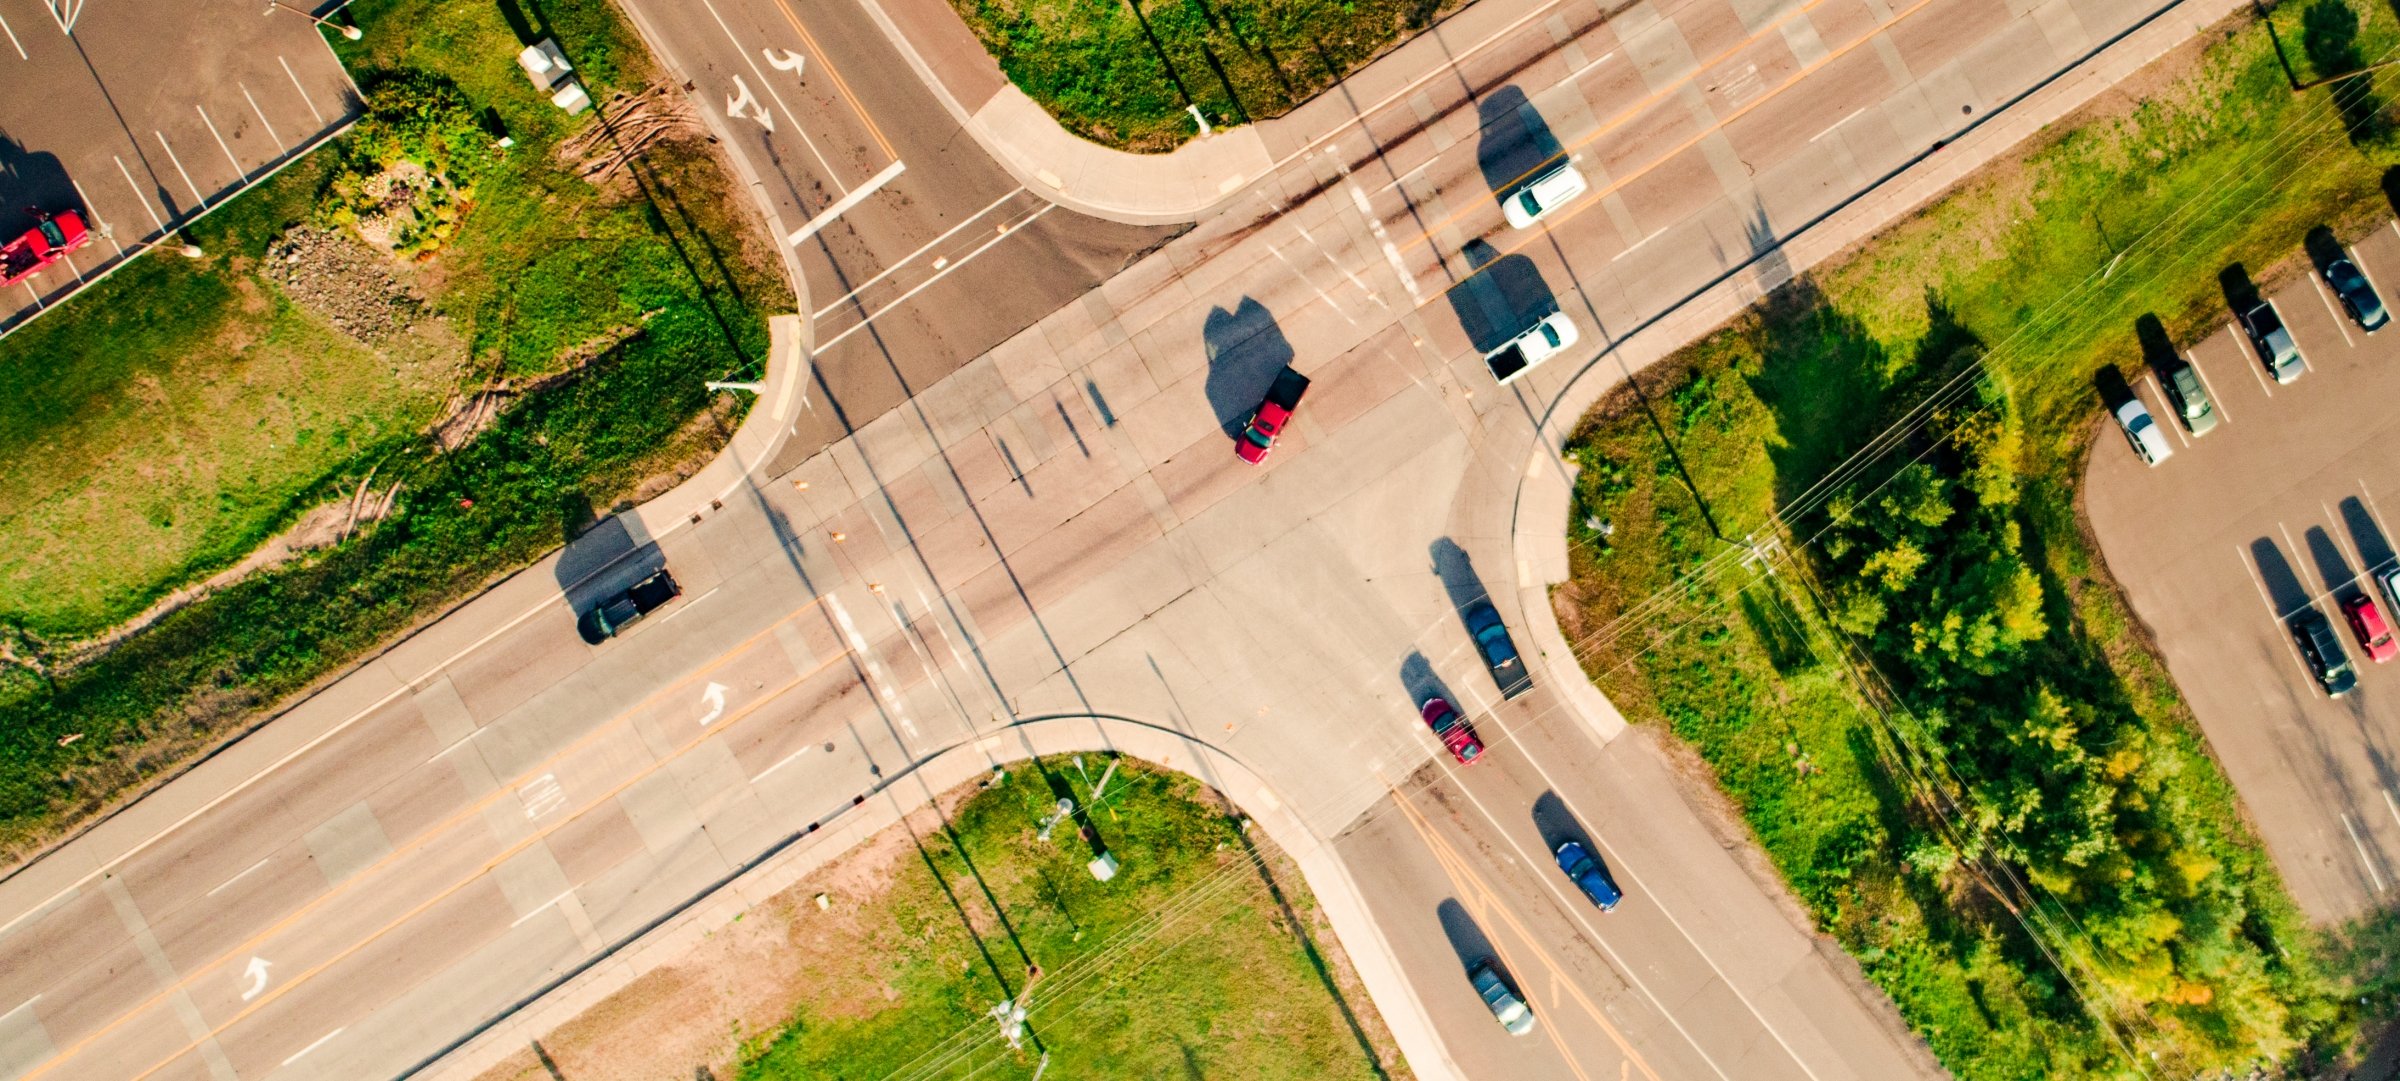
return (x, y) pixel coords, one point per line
(1829, 128)
(541, 908)
(304, 99)
(2336, 313)
(784, 761)
(238, 171)
(830, 214)
(911, 257)
(541, 797)
(179, 169)
(904, 298)
(2387, 802)
(2363, 861)
(2215, 399)
(137, 193)
(686, 606)
(831, 177)
(321, 1041)
(840, 84)
(21, 1007)
(245, 873)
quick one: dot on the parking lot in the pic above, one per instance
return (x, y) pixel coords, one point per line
(147, 114)
(2288, 503)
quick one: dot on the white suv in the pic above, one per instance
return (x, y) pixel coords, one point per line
(1546, 193)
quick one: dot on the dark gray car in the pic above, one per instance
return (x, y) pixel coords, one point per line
(2273, 341)
(2191, 398)
(1498, 650)
(612, 615)
(2327, 660)
(2357, 295)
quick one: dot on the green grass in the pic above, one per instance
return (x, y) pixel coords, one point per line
(547, 263)
(1750, 670)
(1122, 74)
(1186, 964)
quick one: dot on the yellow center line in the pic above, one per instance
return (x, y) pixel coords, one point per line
(1474, 889)
(825, 60)
(436, 831)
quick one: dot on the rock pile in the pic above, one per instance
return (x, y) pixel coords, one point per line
(357, 289)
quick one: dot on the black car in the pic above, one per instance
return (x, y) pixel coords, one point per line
(2323, 648)
(612, 615)
(2357, 294)
(1499, 652)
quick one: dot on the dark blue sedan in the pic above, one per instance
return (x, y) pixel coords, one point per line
(1588, 876)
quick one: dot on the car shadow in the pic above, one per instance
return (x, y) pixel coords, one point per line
(1246, 348)
(2366, 535)
(1558, 825)
(1513, 141)
(2110, 384)
(1456, 569)
(614, 554)
(37, 184)
(2323, 248)
(2281, 581)
(1422, 683)
(1467, 939)
(2333, 568)
(2158, 350)
(2241, 294)
(1500, 297)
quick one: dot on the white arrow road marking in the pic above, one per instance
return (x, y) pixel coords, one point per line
(714, 699)
(257, 975)
(745, 104)
(790, 61)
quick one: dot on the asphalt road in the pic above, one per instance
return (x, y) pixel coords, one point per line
(147, 115)
(2286, 504)
(932, 265)
(1057, 526)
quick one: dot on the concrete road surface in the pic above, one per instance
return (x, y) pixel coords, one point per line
(2286, 504)
(1058, 526)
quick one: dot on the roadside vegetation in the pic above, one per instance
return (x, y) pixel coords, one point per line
(1921, 688)
(512, 344)
(1204, 957)
(1125, 74)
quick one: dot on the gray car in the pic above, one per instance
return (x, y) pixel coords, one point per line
(2191, 398)
(1514, 1014)
(2274, 342)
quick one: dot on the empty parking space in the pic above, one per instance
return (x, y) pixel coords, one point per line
(142, 115)
(2285, 506)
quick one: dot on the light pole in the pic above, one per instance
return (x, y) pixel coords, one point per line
(351, 32)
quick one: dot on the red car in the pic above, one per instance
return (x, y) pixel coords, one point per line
(1454, 732)
(52, 237)
(2367, 622)
(1258, 437)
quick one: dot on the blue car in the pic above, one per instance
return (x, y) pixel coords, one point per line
(1588, 876)
(1499, 652)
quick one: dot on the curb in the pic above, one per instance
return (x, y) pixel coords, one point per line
(674, 934)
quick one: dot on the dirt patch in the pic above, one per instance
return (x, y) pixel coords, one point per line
(630, 124)
(344, 282)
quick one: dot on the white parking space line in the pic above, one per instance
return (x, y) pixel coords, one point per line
(94, 209)
(2335, 532)
(2242, 345)
(2250, 564)
(12, 40)
(2393, 806)
(2363, 861)
(137, 193)
(2193, 359)
(212, 130)
(2158, 392)
(2368, 498)
(202, 200)
(304, 100)
(262, 118)
(2336, 313)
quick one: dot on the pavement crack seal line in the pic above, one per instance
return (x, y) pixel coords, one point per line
(467, 815)
(1473, 889)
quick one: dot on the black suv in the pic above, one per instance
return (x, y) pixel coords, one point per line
(2323, 648)
(611, 616)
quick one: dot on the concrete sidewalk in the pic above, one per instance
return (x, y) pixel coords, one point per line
(802, 854)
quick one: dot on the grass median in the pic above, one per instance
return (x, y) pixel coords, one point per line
(1940, 718)
(202, 406)
(1205, 956)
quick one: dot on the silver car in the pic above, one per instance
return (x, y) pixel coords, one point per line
(2191, 398)
(1514, 1014)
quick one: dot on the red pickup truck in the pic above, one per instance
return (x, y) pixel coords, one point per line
(1258, 437)
(53, 236)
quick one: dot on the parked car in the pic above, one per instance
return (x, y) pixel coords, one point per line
(2389, 577)
(1588, 876)
(1498, 650)
(1453, 730)
(2323, 651)
(50, 239)
(2273, 341)
(610, 617)
(2192, 402)
(2357, 295)
(1267, 421)
(1514, 1014)
(1553, 189)
(2148, 439)
(2366, 621)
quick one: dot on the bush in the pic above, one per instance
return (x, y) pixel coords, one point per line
(406, 173)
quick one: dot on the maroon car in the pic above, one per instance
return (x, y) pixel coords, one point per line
(1454, 731)
(1258, 437)
(52, 237)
